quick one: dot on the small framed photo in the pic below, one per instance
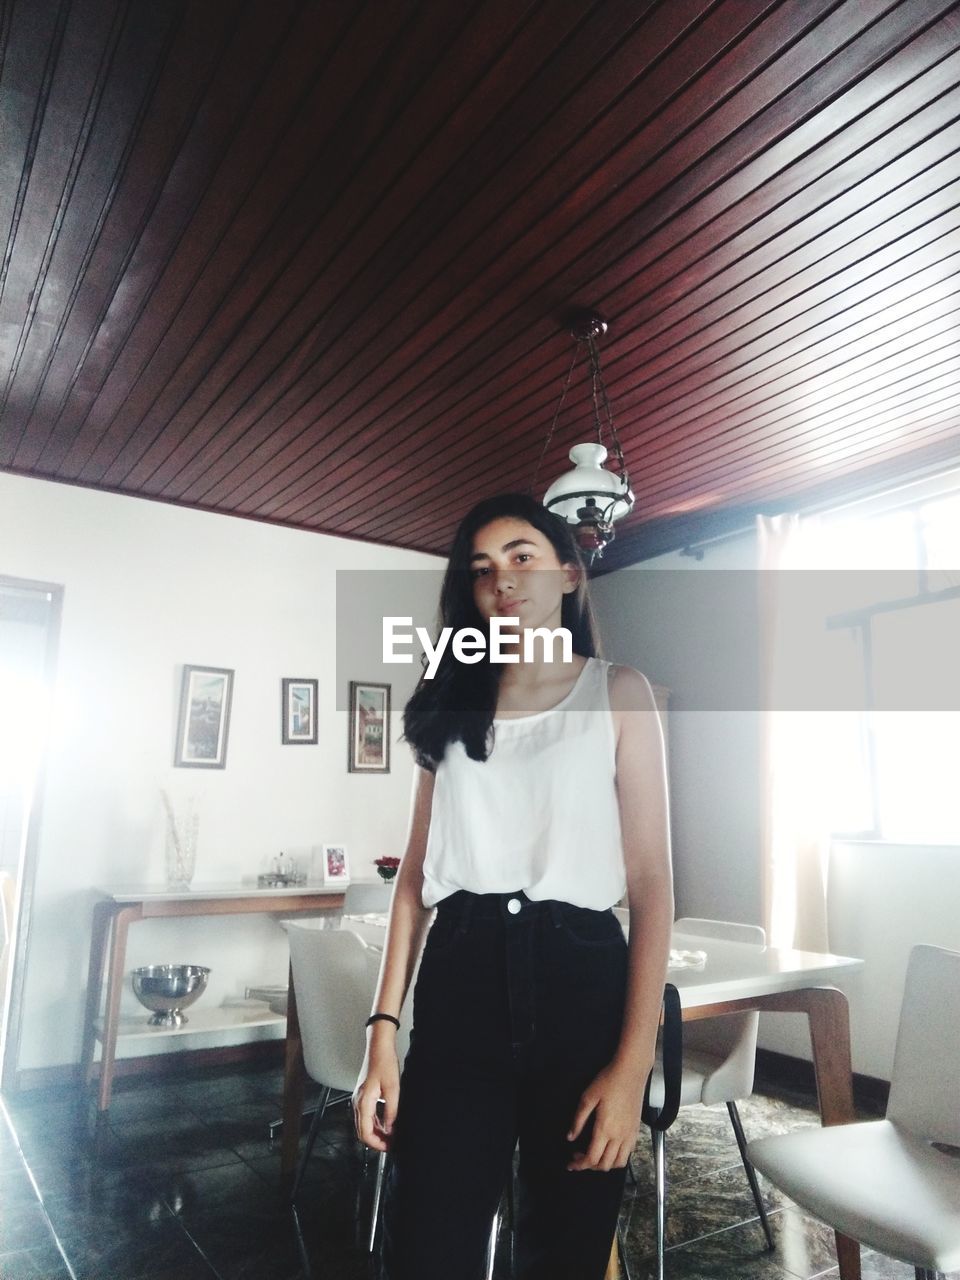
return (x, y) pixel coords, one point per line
(369, 728)
(299, 710)
(336, 869)
(205, 694)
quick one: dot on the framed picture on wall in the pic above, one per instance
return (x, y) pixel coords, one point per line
(336, 869)
(205, 694)
(369, 728)
(299, 710)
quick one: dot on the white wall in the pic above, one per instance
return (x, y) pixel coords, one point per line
(662, 618)
(883, 898)
(149, 587)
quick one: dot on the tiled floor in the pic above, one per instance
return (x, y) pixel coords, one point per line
(182, 1185)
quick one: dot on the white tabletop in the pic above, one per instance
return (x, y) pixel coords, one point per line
(203, 892)
(734, 970)
(731, 971)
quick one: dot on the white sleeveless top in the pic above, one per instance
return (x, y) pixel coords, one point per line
(540, 814)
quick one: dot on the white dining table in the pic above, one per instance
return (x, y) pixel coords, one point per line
(714, 977)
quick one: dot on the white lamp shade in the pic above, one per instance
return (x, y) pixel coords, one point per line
(588, 478)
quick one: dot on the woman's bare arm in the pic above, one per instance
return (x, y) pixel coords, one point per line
(642, 795)
(644, 819)
(380, 1073)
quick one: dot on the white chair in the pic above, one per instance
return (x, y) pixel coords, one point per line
(335, 978)
(719, 1056)
(893, 1184)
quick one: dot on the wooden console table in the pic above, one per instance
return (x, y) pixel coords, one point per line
(124, 905)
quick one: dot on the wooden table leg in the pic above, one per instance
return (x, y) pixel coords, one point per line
(830, 1039)
(829, 1018)
(111, 1015)
(294, 1079)
(102, 918)
(613, 1264)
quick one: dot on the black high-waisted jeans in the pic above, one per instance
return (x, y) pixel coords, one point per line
(515, 1011)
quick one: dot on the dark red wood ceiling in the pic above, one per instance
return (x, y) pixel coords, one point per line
(308, 262)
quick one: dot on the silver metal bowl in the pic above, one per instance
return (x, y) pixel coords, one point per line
(168, 989)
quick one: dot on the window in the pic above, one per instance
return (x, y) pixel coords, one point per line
(895, 765)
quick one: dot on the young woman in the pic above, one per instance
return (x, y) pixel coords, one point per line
(539, 798)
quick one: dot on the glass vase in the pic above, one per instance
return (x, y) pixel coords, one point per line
(181, 846)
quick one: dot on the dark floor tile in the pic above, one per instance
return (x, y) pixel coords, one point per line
(76, 1172)
(32, 1264)
(16, 1188)
(23, 1226)
(805, 1247)
(181, 1144)
(204, 1095)
(267, 1167)
(142, 1105)
(196, 1269)
(240, 1125)
(36, 1099)
(248, 1246)
(874, 1266)
(720, 1200)
(722, 1257)
(43, 1133)
(129, 1254)
(116, 1209)
(8, 1143)
(256, 1149)
(11, 1161)
(235, 1186)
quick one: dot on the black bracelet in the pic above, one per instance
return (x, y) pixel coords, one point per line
(386, 1017)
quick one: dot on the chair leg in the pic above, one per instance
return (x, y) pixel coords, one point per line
(659, 1164)
(512, 1211)
(301, 1245)
(378, 1187)
(311, 1139)
(622, 1253)
(492, 1246)
(750, 1171)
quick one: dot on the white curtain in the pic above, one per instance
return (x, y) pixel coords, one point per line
(795, 830)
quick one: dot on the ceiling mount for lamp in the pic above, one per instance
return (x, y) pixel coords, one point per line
(589, 496)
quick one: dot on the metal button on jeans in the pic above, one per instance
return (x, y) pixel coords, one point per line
(513, 906)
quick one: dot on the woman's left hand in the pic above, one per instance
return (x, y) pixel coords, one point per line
(616, 1095)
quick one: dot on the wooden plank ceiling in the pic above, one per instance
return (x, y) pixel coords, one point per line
(308, 262)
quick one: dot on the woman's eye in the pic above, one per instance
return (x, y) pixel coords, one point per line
(478, 573)
(524, 555)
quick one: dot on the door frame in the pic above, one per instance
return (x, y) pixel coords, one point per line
(9, 1069)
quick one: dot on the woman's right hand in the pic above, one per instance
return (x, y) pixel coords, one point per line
(379, 1078)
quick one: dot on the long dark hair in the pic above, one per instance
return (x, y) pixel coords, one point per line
(459, 702)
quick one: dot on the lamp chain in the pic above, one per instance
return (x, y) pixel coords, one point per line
(600, 399)
(556, 416)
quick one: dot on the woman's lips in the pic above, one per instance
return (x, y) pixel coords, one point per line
(511, 606)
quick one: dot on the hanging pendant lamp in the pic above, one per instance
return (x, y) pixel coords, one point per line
(589, 496)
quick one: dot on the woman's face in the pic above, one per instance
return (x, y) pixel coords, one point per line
(517, 573)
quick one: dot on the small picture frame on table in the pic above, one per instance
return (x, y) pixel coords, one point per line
(204, 721)
(299, 711)
(369, 728)
(336, 868)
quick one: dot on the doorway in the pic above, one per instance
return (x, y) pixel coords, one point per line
(29, 633)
